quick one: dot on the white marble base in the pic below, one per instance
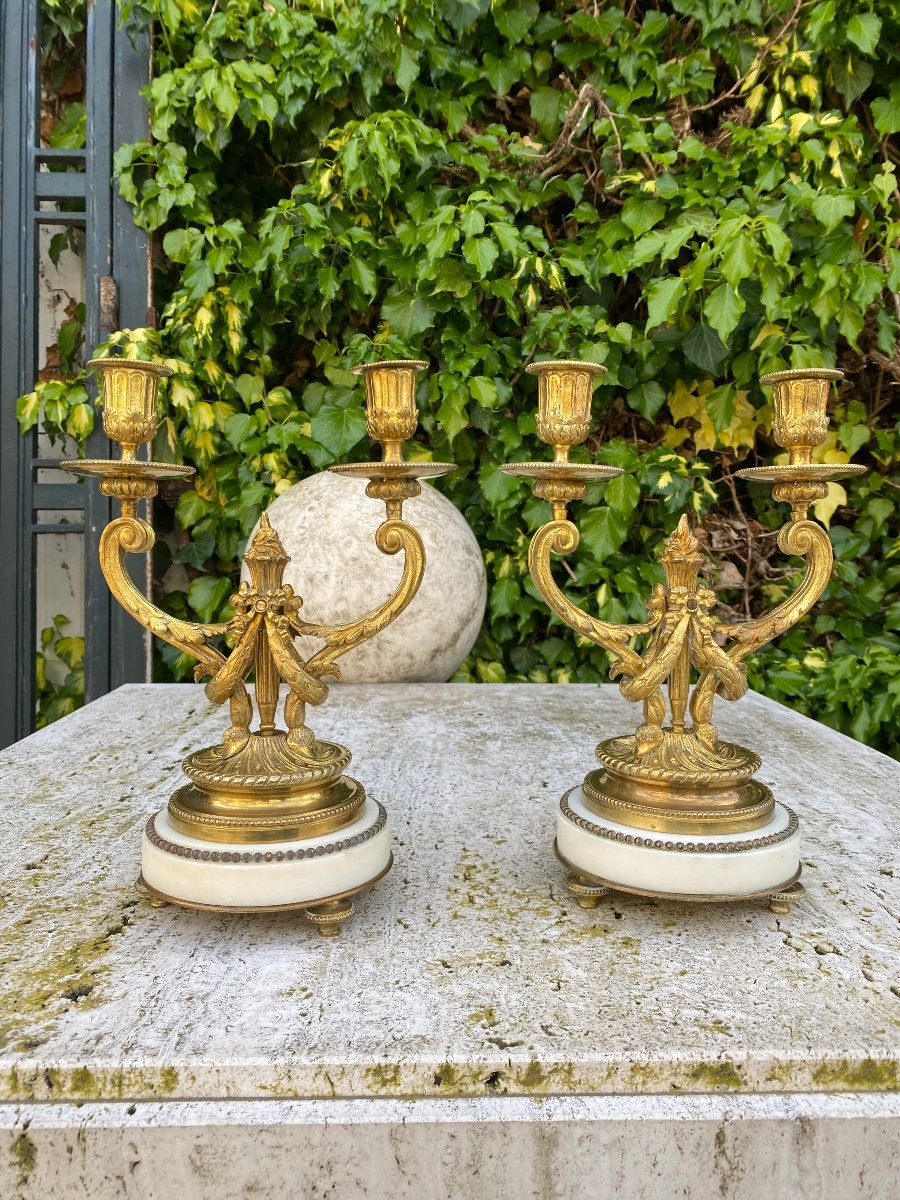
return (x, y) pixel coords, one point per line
(761, 860)
(264, 876)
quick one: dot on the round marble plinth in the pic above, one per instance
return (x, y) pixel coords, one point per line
(245, 876)
(695, 866)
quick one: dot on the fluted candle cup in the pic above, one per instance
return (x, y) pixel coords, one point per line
(565, 388)
(391, 416)
(800, 399)
(129, 391)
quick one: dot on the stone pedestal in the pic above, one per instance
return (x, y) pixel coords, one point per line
(473, 1033)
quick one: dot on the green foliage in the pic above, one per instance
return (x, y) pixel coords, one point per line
(59, 673)
(690, 194)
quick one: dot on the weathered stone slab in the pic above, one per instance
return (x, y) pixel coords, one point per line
(468, 972)
(470, 1008)
(504, 1148)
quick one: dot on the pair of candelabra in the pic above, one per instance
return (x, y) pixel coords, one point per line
(270, 821)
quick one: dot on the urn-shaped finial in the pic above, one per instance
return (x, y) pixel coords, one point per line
(391, 415)
(800, 399)
(565, 388)
(129, 390)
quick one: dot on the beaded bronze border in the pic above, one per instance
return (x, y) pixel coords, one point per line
(337, 812)
(649, 843)
(748, 813)
(266, 856)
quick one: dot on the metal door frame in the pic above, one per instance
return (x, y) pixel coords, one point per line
(116, 260)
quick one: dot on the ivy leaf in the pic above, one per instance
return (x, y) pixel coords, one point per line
(239, 427)
(484, 390)
(207, 594)
(452, 413)
(70, 650)
(647, 399)
(407, 314)
(198, 551)
(641, 213)
(662, 299)
(778, 240)
(504, 596)
(501, 73)
(830, 208)
(80, 422)
(851, 77)
(623, 493)
(363, 276)
(495, 485)
(516, 20)
(481, 253)
(886, 111)
(723, 309)
(852, 437)
(338, 429)
(720, 406)
(602, 531)
(191, 508)
(739, 258)
(704, 348)
(28, 411)
(547, 107)
(198, 279)
(863, 30)
(407, 69)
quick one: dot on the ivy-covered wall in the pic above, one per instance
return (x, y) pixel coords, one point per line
(692, 193)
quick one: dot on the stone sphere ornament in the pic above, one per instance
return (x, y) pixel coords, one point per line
(326, 524)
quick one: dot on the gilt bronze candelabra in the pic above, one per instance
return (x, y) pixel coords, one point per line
(673, 811)
(268, 820)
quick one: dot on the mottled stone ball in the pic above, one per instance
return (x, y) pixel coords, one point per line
(327, 525)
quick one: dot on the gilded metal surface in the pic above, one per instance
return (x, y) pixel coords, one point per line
(393, 470)
(780, 902)
(801, 472)
(129, 390)
(565, 471)
(565, 388)
(674, 774)
(800, 400)
(275, 782)
(391, 402)
(115, 468)
(738, 809)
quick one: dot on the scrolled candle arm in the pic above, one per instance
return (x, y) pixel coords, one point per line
(562, 537)
(808, 540)
(391, 537)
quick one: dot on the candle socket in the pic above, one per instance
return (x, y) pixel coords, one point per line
(800, 401)
(391, 416)
(129, 392)
(565, 388)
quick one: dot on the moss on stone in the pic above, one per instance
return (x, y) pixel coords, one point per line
(24, 1152)
(866, 1075)
(724, 1074)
